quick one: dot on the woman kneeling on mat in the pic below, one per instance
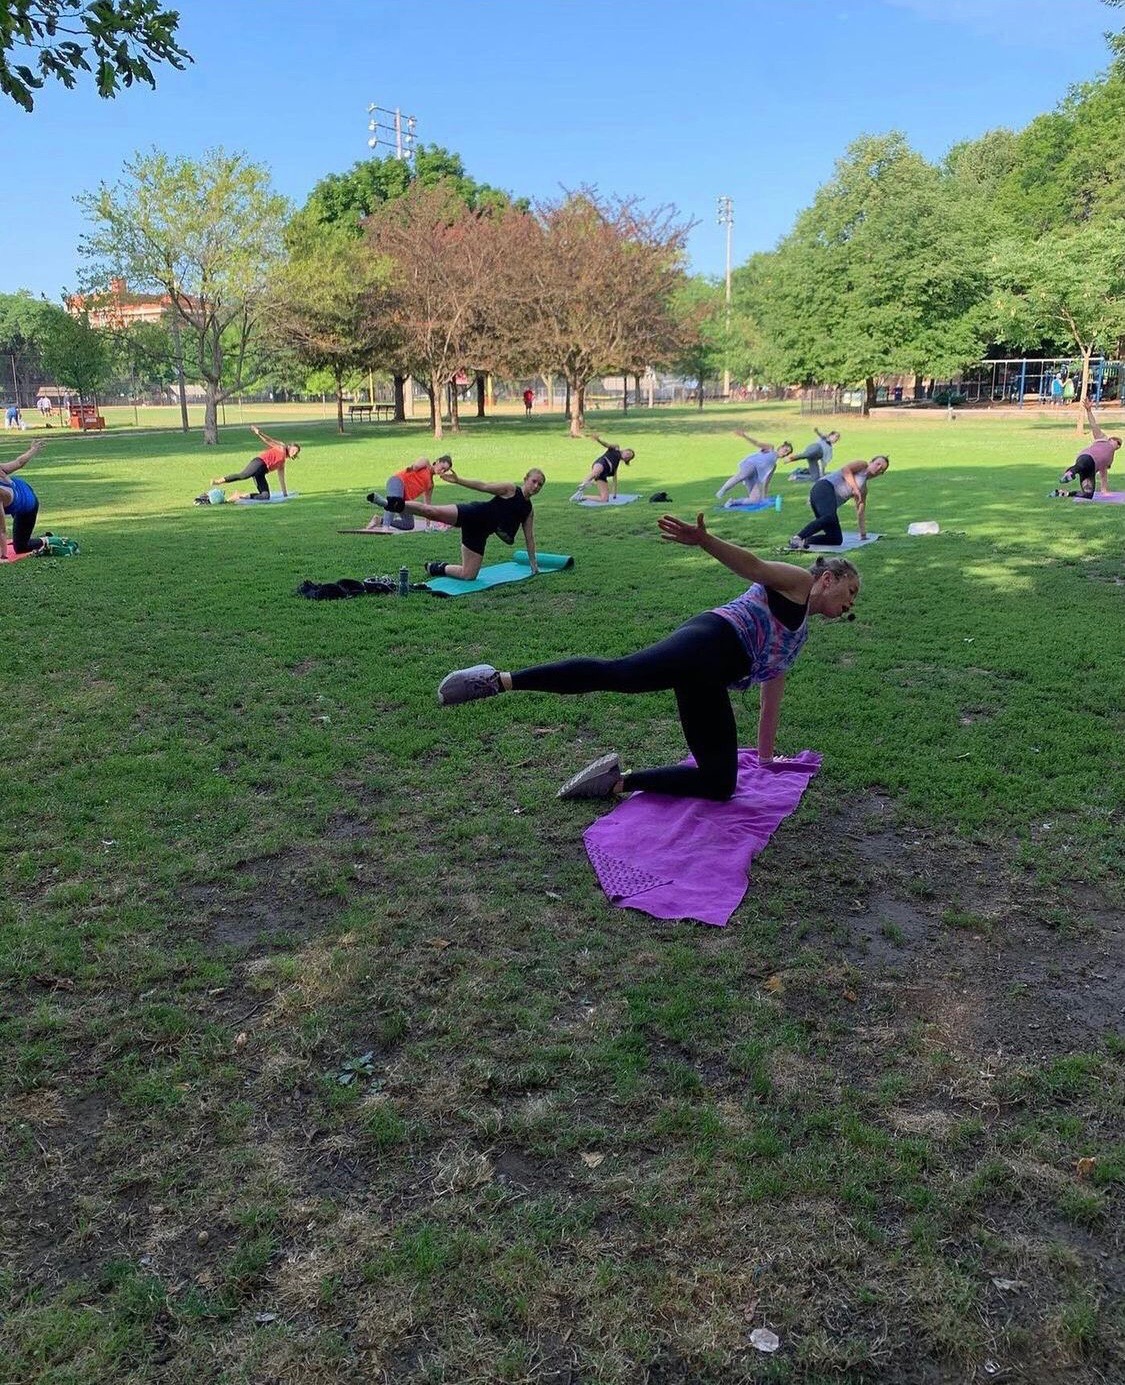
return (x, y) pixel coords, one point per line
(415, 482)
(274, 457)
(754, 472)
(754, 639)
(20, 501)
(832, 491)
(507, 511)
(604, 470)
(1094, 460)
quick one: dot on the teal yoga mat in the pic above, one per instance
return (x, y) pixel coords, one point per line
(514, 571)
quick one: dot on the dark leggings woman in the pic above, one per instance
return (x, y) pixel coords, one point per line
(825, 504)
(255, 471)
(698, 662)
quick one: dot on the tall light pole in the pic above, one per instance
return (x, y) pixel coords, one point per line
(397, 130)
(726, 218)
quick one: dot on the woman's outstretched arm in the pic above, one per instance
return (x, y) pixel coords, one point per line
(786, 578)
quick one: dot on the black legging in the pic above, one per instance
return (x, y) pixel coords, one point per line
(23, 526)
(825, 503)
(255, 471)
(699, 661)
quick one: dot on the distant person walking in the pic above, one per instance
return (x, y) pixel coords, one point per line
(43, 404)
(528, 400)
(12, 416)
(272, 459)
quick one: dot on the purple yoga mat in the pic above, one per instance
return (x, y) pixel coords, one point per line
(1110, 498)
(688, 858)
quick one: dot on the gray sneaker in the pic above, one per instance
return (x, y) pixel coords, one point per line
(595, 781)
(467, 684)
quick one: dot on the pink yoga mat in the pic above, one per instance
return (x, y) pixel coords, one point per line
(14, 557)
(688, 858)
(1112, 498)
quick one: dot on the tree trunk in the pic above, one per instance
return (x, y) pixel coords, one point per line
(179, 349)
(625, 394)
(433, 389)
(1080, 422)
(566, 400)
(918, 385)
(210, 412)
(454, 409)
(480, 394)
(339, 401)
(578, 409)
(549, 381)
(869, 394)
(701, 392)
(400, 398)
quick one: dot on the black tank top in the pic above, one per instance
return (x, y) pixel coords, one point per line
(508, 512)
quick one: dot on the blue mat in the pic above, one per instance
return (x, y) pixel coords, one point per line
(773, 503)
(495, 576)
(605, 504)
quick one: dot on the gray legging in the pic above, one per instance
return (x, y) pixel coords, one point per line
(825, 504)
(812, 454)
(404, 520)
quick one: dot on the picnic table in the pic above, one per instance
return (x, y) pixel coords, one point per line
(371, 411)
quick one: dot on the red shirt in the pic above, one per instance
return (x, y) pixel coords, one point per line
(416, 483)
(273, 457)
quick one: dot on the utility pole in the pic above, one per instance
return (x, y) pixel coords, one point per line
(726, 218)
(398, 130)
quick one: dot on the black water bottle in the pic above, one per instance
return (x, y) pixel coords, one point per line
(404, 581)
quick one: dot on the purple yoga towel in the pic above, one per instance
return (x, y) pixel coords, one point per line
(689, 858)
(1110, 498)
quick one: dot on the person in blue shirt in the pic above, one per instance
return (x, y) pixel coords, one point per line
(19, 503)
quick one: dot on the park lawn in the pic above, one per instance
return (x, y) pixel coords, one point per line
(326, 1059)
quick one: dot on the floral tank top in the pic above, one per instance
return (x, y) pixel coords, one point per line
(770, 647)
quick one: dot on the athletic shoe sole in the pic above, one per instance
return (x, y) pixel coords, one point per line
(597, 780)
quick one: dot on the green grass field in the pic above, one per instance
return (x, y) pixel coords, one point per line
(327, 1060)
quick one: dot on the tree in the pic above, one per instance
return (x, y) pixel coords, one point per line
(1068, 285)
(124, 38)
(329, 307)
(77, 355)
(883, 273)
(24, 323)
(207, 233)
(603, 275)
(345, 199)
(699, 306)
(442, 258)
(349, 197)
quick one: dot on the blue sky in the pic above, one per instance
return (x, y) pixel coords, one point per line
(671, 102)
